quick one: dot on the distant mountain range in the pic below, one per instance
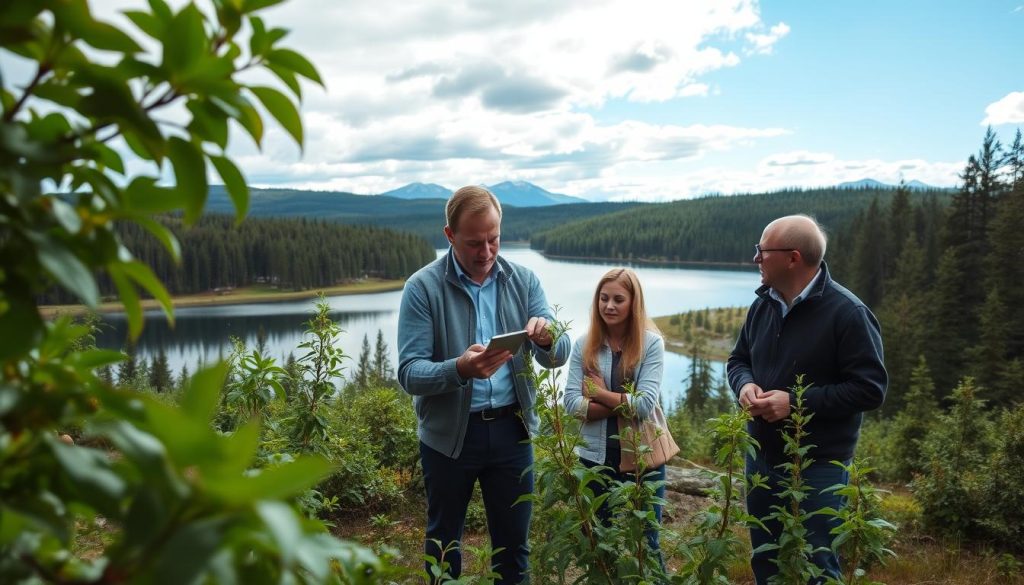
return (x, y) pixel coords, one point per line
(423, 216)
(515, 193)
(873, 184)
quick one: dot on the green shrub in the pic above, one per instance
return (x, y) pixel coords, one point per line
(955, 450)
(358, 481)
(385, 417)
(1002, 493)
(903, 511)
(875, 446)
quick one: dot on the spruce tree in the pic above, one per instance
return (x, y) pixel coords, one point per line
(382, 370)
(988, 358)
(1004, 265)
(901, 227)
(869, 258)
(183, 378)
(159, 373)
(1013, 162)
(364, 368)
(903, 319)
(967, 227)
(698, 390)
(946, 316)
(914, 421)
(127, 369)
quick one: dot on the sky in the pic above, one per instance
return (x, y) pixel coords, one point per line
(641, 99)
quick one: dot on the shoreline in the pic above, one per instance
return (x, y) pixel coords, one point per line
(240, 296)
(649, 262)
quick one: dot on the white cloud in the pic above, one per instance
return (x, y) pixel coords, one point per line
(452, 92)
(1008, 110)
(471, 91)
(764, 44)
(798, 158)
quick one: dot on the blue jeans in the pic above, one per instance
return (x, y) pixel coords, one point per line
(820, 475)
(493, 453)
(604, 513)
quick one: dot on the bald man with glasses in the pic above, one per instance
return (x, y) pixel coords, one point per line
(803, 322)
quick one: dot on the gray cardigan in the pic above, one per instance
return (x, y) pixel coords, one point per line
(647, 379)
(436, 323)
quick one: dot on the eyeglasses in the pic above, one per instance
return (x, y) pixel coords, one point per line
(760, 250)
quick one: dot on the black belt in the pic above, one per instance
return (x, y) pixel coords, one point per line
(489, 414)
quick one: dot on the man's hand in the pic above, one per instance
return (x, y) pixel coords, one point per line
(537, 329)
(477, 362)
(774, 405)
(750, 393)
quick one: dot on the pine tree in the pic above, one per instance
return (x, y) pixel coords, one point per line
(914, 421)
(698, 390)
(127, 369)
(967, 228)
(364, 367)
(184, 377)
(869, 257)
(945, 323)
(722, 400)
(901, 227)
(1005, 264)
(291, 380)
(383, 373)
(902, 315)
(159, 373)
(988, 358)
(1013, 162)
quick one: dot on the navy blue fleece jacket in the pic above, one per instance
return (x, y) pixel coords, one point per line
(831, 338)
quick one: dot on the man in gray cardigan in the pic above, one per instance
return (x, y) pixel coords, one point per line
(473, 406)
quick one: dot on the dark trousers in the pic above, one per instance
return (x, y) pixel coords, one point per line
(820, 475)
(493, 453)
(604, 513)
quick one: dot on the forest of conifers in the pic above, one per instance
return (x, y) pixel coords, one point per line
(709, 229)
(291, 253)
(423, 217)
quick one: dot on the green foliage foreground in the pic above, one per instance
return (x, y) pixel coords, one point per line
(186, 501)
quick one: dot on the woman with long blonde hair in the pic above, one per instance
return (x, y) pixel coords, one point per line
(623, 345)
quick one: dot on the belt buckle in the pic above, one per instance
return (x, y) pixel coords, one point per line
(484, 417)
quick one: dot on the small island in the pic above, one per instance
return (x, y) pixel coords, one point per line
(711, 333)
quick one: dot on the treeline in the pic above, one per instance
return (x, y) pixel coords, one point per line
(708, 229)
(945, 281)
(517, 223)
(291, 253)
(423, 217)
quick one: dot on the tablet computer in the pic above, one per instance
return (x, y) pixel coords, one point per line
(508, 341)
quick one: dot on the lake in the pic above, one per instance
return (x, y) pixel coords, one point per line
(202, 334)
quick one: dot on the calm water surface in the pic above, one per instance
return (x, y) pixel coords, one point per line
(202, 334)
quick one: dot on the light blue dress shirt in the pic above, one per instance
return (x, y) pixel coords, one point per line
(497, 390)
(803, 295)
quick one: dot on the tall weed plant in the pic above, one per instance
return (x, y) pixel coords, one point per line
(571, 543)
